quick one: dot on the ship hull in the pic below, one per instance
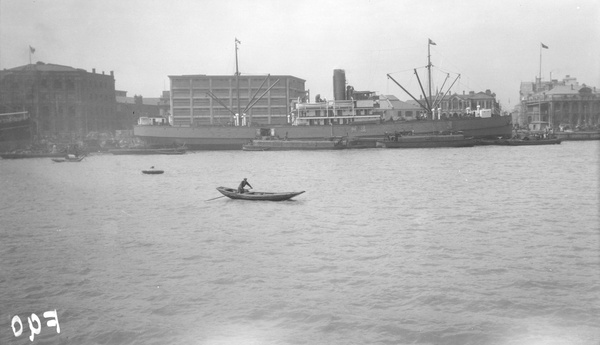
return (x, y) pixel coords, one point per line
(233, 138)
(15, 134)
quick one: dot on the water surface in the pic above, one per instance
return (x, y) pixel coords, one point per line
(483, 245)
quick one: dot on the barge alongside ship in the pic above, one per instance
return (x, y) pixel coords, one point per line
(292, 145)
(426, 141)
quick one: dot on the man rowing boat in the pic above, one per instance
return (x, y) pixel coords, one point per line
(244, 183)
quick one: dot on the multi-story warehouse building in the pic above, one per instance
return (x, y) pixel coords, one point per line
(559, 104)
(60, 100)
(213, 99)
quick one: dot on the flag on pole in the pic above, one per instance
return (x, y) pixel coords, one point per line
(432, 42)
(237, 41)
(544, 46)
(31, 49)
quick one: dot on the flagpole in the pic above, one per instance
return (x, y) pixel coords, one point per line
(540, 63)
(237, 81)
(540, 89)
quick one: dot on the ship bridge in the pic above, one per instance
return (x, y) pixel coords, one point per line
(336, 112)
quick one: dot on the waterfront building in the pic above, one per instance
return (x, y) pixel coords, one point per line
(60, 100)
(397, 110)
(129, 109)
(559, 105)
(467, 104)
(472, 104)
(212, 99)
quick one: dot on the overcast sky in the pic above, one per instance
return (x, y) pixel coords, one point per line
(492, 44)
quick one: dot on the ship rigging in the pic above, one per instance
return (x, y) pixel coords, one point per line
(430, 104)
(239, 118)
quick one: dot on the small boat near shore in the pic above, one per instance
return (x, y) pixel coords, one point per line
(152, 171)
(400, 140)
(69, 158)
(232, 193)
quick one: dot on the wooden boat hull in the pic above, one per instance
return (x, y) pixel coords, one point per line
(152, 172)
(68, 159)
(248, 147)
(232, 193)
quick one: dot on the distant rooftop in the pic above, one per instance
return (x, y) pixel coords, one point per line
(242, 75)
(131, 100)
(568, 86)
(398, 104)
(50, 67)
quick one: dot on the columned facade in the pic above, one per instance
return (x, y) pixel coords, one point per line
(559, 105)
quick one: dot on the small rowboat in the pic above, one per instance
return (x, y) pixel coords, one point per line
(152, 171)
(232, 193)
(69, 158)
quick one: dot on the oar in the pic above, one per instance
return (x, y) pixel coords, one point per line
(222, 196)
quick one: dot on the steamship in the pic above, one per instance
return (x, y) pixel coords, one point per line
(355, 114)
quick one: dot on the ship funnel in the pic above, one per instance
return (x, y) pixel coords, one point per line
(339, 84)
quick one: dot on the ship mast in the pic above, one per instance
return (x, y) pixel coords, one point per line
(429, 66)
(430, 104)
(237, 77)
(238, 116)
(430, 43)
